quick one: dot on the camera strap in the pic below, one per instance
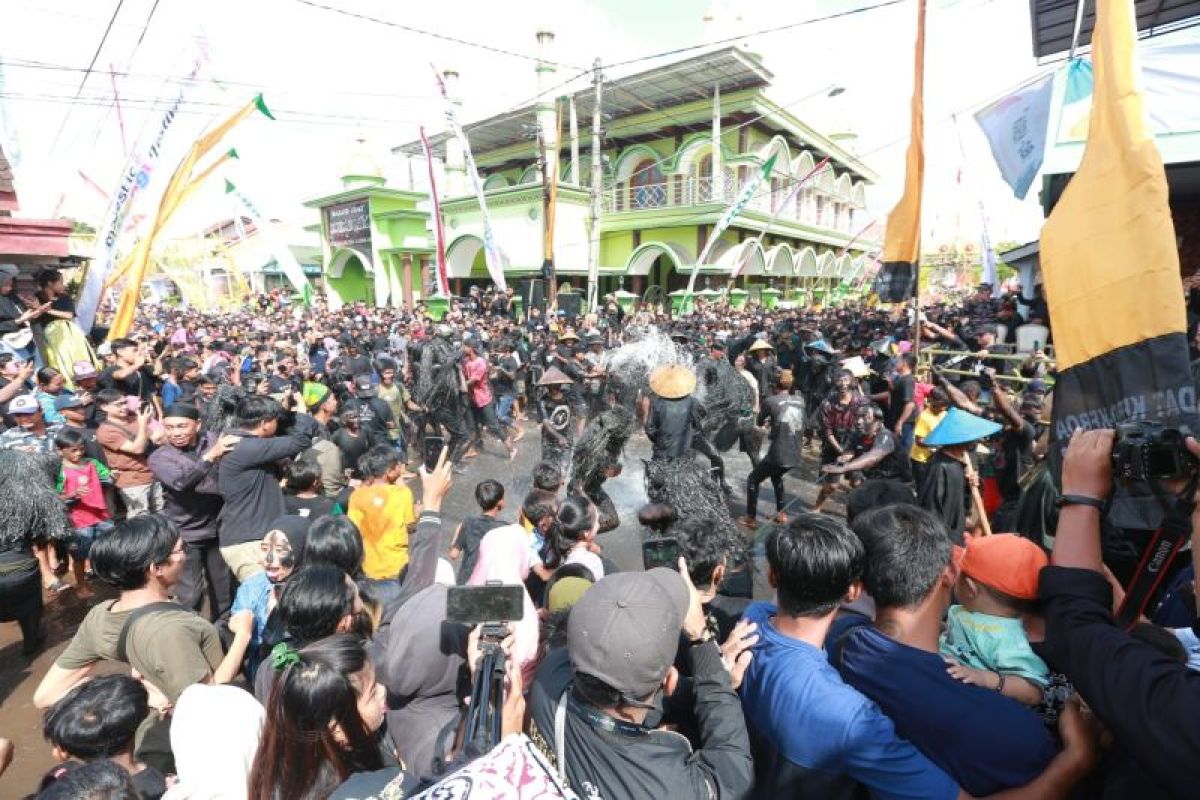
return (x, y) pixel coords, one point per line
(1174, 531)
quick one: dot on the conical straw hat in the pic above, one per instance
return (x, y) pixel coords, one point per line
(554, 376)
(672, 381)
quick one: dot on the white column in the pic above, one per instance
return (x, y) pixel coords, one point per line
(456, 166)
(574, 144)
(546, 116)
(718, 187)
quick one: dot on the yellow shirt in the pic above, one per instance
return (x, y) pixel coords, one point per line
(926, 422)
(382, 514)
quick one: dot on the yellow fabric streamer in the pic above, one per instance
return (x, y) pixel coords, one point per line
(902, 236)
(181, 186)
(1108, 249)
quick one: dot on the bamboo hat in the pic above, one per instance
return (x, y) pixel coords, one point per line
(760, 344)
(960, 427)
(554, 377)
(672, 381)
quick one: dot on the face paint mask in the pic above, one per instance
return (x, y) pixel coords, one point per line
(280, 557)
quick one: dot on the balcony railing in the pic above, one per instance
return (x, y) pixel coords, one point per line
(683, 191)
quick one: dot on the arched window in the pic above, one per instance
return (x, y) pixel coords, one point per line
(646, 186)
(820, 219)
(702, 179)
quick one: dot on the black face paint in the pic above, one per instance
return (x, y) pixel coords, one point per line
(284, 559)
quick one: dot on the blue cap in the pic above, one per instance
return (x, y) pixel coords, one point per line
(959, 427)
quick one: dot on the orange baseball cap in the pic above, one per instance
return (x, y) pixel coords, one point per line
(1005, 562)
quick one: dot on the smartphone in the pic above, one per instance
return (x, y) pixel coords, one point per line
(660, 552)
(472, 605)
(433, 451)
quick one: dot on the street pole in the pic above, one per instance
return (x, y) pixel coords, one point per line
(594, 230)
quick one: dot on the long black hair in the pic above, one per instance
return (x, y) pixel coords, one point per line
(300, 756)
(575, 519)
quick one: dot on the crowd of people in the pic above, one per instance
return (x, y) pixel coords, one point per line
(925, 614)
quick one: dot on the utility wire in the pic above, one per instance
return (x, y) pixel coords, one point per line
(444, 37)
(763, 32)
(87, 73)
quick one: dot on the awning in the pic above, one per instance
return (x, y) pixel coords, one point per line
(1053, 21)
(660, 87)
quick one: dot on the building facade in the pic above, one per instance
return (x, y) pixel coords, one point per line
(678, 144)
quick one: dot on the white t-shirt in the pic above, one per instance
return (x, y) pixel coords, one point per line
(581, 555)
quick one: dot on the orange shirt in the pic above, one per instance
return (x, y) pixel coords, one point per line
(383, 514)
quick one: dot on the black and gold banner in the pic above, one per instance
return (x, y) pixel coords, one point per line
(897, 280)
(1111, 268)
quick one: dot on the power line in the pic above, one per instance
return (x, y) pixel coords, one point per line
(763, 32)
(87, 73)
(146, 26)
(433, 34)
(199, 105)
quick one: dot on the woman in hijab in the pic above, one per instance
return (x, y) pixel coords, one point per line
(214, 735)
(282, 549)
(504, 556)
(424, 669)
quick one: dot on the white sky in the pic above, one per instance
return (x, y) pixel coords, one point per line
(331, 78)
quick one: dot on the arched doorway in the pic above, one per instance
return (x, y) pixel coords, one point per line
(349, 276)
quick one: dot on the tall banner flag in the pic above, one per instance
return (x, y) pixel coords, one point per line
(743, 198)
(989, 275)
(491, 251)
(443, 279)
(279, 249)
(897, 280)
(1015, 127)
(134, 178)
(795, 190)
(1111, 268)
(182, 185)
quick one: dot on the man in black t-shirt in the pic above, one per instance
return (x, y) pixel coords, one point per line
(131, 375)
(786, 415)
(901, 415)
(504, 383)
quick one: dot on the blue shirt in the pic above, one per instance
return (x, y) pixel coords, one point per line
(987, 741)
(254, 595)
(815, 737)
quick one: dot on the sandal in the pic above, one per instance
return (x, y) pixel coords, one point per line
(57, 586)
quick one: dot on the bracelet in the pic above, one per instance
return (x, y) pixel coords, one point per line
(1000, 685)
(1079, 500)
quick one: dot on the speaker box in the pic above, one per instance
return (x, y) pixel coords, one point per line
(571, 303)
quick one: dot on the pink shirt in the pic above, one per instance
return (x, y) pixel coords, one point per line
(476, 369)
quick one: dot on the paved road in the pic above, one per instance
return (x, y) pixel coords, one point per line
(19, 676)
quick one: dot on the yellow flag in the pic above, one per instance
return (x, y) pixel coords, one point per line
(1108, 249)
(181, 186)
(1111, 269)
(902, 237)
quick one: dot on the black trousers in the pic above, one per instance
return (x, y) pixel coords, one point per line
(765, 469)
(453, 418)
(205, 574)
(705, 448)
(21, 594)
(485, 418)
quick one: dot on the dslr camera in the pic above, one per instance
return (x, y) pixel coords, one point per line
(1149, 451)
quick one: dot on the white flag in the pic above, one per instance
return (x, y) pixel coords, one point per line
(1015, 127)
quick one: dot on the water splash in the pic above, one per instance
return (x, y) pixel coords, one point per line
(645, 348)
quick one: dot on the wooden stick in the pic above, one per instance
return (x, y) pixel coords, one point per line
(976, 498)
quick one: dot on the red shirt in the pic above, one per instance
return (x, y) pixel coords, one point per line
(90, 508)
(476, 369)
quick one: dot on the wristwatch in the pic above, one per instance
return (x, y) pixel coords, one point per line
(1078, 500)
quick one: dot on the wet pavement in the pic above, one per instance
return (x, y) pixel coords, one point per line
(19, 675)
